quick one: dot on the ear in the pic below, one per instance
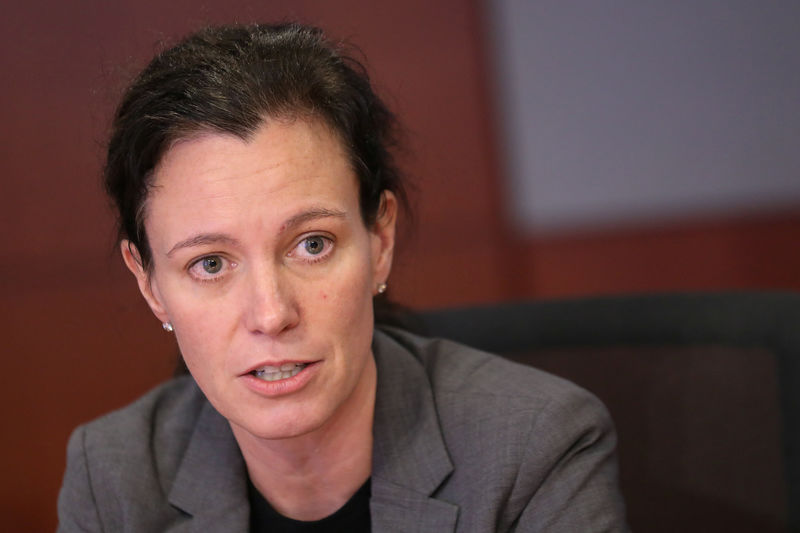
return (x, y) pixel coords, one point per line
(383, 234)
(134, 263)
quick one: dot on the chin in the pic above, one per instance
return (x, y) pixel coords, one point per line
(278, 426)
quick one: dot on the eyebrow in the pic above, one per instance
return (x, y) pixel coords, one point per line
(312, 214)
(202, 239)
(217, 238)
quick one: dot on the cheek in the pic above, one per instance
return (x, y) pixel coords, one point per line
(196, 344)
(204, 324)
(348, 299)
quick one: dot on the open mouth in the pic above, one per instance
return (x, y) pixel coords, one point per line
(274, 373)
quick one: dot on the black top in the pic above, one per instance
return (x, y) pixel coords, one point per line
(352, 517)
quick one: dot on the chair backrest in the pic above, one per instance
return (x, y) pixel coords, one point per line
(704, 390)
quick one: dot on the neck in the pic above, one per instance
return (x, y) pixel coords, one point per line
(311, 476)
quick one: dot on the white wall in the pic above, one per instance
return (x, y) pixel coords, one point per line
(624, 111)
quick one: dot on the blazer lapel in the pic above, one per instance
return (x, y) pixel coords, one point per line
(409, 459)
(210, 484)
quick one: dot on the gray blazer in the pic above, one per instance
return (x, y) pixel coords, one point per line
(463, 442)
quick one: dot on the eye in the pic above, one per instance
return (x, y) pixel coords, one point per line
(314, 245)
(210, 267)
(212, 264)
(313, 248)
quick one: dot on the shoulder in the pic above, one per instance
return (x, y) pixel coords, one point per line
(162, 420)
(483, 380)
(545, 445)
(127, 456)
(505, 408)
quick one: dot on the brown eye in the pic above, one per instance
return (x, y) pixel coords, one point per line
(314, 245)
(212, 264)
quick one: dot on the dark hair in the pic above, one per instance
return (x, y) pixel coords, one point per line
(229, 79)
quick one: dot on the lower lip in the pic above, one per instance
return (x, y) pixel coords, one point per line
(281, 387)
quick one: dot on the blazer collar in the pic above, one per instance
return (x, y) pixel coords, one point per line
(409, 458)
(211, 482)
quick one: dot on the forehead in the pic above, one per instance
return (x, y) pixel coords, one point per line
(285, 166)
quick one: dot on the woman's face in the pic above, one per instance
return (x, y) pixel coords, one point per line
(263, 264)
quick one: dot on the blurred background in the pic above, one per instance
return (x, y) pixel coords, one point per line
(558, 149)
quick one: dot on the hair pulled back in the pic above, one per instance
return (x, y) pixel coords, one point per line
(230, 79)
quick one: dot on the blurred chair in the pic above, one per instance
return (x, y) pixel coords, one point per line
(704, 390)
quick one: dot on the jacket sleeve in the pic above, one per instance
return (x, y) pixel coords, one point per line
(77, 509)
(574, 441)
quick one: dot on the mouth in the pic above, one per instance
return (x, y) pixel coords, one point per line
(275, 373)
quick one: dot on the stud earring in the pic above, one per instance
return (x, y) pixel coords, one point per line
(381, 288)
(167, 326)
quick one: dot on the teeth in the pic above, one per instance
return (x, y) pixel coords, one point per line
(274, 373)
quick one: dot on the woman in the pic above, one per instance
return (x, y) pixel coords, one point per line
(257, 202)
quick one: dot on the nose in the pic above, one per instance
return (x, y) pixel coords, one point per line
(271, 304)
